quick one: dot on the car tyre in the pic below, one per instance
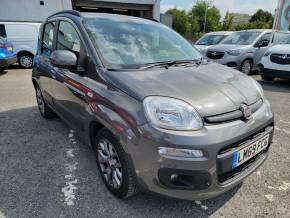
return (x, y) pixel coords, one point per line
(267, 78)
(114, 166)
(45, 111)
(2, 69)
(246, 67)
(25, 60)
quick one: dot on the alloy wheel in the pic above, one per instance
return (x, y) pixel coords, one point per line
(26, 61)
(246, 67)
(40, 101)
(109, 162)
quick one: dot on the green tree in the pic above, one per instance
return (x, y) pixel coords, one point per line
(197, 17)
(228, 22)
(262, 17)
(180, 21)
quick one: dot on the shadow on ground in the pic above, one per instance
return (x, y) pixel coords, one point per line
(32, 175)
(278, 85)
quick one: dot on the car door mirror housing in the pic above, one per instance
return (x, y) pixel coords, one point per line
(63, 59)
(263, 43)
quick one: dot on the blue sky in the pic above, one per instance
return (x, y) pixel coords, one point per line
(239, 6)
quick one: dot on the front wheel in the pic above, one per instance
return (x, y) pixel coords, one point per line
(43, 108)
(113, 165)
(2, 69)
(246, 67)
(267, 78)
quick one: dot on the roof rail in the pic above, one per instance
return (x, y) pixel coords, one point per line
(153, 19)
(72, 12)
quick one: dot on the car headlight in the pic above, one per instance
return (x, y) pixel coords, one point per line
(267, 53)
(259, 88)
(171, 113)
(234, 52)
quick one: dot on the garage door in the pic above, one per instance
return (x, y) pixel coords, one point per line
(126, 8)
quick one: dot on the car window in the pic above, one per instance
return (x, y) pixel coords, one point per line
(281, 37)
(48, 36)
(265, 37)
(210, 40)
(241, 38)
(2, 31)
(68, 38)
(125, 44)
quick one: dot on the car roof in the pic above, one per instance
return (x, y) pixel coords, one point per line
(256, 30)
(222, 33)
(69, 13)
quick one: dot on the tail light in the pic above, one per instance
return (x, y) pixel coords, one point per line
(2, 46)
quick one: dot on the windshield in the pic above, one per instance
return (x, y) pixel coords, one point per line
(282, 38)
(287, 41)
(241, 38)
(131, 44)
(210, 40)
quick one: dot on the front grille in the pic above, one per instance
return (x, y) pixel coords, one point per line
(233, 115)
(222, 178)
(240, 143)
(226, 174)
(215, 55)
(283, 59)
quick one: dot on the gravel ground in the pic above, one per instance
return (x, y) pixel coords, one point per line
(45, 171)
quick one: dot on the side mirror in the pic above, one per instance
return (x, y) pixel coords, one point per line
(263, 43)
(63, 59)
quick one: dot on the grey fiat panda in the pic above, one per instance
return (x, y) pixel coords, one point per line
(157, 116)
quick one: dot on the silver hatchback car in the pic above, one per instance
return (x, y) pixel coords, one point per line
(241, 50)
(157, 117)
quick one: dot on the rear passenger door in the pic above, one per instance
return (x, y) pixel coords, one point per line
(46, 71)
(67, 97)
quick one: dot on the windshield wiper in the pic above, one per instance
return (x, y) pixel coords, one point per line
(168, 64)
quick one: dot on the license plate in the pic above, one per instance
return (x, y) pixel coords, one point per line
(9, 49)
(246, 153)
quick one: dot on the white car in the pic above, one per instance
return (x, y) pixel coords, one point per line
(210, 39)
(24, 37)
(276, 62)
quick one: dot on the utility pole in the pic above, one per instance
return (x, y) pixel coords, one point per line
(207, 4)
(205, 18)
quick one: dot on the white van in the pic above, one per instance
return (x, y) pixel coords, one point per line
(24, 37)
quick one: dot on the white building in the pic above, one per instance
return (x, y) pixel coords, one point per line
(38, 10)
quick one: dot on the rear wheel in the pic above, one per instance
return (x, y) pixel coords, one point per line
(2, 69)
(246, 67)
(267, 78)
(44, 109)
(25, 60)
(113, 165)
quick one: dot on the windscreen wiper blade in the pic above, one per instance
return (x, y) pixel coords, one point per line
(168, 64)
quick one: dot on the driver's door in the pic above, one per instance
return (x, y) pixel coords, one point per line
(261, 50)
(68, 101)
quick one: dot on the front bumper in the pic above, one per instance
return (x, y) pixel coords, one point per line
(230, 61)
(152, 169)
(283, 74)
(8, 61)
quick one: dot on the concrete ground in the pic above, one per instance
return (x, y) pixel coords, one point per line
(45, 171)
